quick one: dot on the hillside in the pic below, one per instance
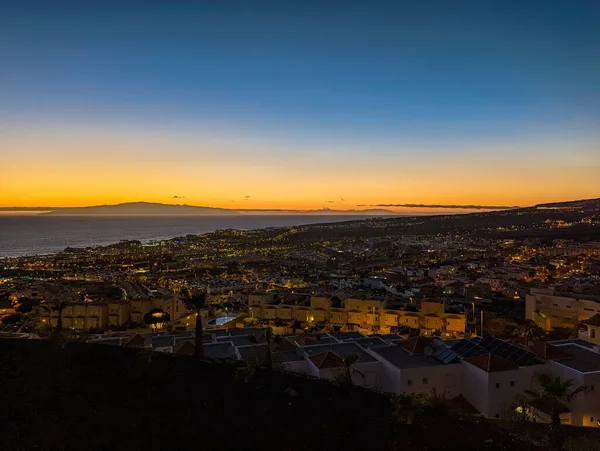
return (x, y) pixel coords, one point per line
(540, 221)
(87, 397)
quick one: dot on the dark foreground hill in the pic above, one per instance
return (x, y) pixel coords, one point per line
(82, 397)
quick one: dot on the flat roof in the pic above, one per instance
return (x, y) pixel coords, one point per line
(582, 360)
(402, 359)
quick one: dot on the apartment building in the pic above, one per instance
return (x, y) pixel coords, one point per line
(80, 316)
(549, 310)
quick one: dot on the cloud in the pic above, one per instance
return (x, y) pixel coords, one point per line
(469, 207)
(342, 199)
(178, 197)
(330, 201)
(246, 197)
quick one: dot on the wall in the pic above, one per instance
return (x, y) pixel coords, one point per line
(441, 378)
(499, 398)
(474, 387)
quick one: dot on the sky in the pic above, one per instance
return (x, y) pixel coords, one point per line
(299, 104)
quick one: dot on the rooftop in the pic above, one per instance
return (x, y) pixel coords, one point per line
(402, 359)
(582, 360)
(341, 349)
(491, 363)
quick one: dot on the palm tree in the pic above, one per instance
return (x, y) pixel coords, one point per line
(196, 302)
(562, 333)
(555, 391)
(532, 331)
(58, 306)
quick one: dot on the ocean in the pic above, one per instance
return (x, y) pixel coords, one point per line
(22, 235)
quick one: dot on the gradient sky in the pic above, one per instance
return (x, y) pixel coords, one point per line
(299, 104)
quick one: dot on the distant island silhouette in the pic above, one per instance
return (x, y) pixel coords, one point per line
(160, 209)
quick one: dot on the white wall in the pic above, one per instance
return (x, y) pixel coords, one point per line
(585, 405)
(445, 379)
(506, 393)
(474, 387)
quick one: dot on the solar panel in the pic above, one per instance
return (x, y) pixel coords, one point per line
(475, 350)
(445, 355)
(477, 346)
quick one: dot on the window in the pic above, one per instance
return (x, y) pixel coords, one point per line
(409, 382)
(497, 384)
(512, 383)
(425, 381)
(593, 333)
(591, 419)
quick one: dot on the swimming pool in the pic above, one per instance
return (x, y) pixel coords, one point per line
(221, 320)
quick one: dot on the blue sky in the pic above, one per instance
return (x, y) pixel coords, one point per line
(375, 78)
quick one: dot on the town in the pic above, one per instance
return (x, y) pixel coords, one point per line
(476, 311)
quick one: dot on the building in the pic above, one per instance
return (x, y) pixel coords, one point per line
(593, 329)
(550, 311)
(79, 316)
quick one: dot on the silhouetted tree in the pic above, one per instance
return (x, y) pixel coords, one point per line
(562, 333)
(555, 391)
(12, 318)
(196, 302)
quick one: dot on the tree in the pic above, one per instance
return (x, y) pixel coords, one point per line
(12, 318)
(196, 302)
(58, 306)
(24, 306)
(344, 377)
(562, 333)
(532, 331)
(554, 391)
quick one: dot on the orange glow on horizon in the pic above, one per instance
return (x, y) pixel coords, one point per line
(70, 170)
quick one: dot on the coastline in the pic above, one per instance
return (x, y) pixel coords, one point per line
(24, 234)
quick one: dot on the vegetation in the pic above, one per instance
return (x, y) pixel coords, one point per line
(196, 301)
(562, 333)
(24, 306)
(553, 393)
(82, 406)
(344, 376)
(12, 318)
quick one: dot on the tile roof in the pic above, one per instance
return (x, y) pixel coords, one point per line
(491, 363)
(594, 320)
(547, 351)
(137, 341)
(341, 349)
(416, 345)
(327, 359)
(184, 348)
